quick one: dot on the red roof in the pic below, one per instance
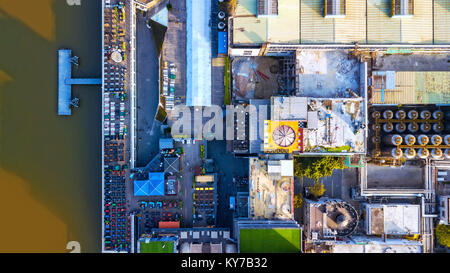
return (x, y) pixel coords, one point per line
(169, 224)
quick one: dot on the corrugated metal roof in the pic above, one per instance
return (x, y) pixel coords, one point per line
(413, 87)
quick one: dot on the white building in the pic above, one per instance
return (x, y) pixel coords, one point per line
(392, 219)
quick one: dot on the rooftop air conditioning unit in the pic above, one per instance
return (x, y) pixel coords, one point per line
(335, 8)
(267, 8)
(402, 8)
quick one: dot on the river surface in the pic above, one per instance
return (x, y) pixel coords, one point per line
(50, 166)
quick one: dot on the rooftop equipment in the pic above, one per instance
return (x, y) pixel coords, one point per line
(402, 8)
(334, 8)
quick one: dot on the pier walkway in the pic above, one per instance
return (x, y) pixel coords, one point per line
(65, 81)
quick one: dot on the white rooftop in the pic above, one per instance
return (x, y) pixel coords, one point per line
(376, 245)
(400, 219)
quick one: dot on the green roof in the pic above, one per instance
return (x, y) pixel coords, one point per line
(157, 247)
(278, 240)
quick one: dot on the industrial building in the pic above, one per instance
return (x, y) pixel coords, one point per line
(365, 244)
(444, 210)
(328, 22)
(328, 219)
(392, 219)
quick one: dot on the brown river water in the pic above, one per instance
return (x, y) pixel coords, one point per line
(50, 166)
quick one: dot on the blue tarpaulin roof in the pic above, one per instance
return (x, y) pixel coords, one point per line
(223, 45)
(154, 186)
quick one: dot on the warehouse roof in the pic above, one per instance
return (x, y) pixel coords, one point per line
(308, 25)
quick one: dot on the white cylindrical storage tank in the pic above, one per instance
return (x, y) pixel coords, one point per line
(438, 114)
(400, 127)
(376, 139)
(221, 15)
(400, 114)
(392, 140)
(413, 127)
(376, 114)
(436, 153)
(423, 153)
(425, 127)
(438, 127)
(436, 140)
(388, 114)
(409, 140)
(425, 114)
(388, 127)
(422, 140)
(413, 114)
(376, 127)
(410, 153)
(393, 152)
(447, 153)
(447, 139)
(221, 25)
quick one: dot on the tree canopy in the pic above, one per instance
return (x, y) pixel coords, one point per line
(317, 190)
(443, 235)
(298, 201)
(317, 167)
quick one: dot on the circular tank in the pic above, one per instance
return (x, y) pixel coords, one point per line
(425, 114)
(376, 127)
(221, 15)
(422, 140)
(425, 127)
(388, 114)
(409, 140)
(438, 127)
(413, 127)
(400, 114)
(447, 139)
(423, 153)
(447, 153)
(436, 140)
(410, 153)
(436, 153)
(413, 114)
(376, 139)
(438, 114)
(392, 140)
(388, 127)
(221, 25)
(393, 152)
(376, 114)
(400, 127)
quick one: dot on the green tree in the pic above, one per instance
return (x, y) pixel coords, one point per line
(317, 167)
(317, 190)
(443, 235)
(298, 201)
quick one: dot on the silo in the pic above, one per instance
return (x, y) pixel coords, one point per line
(388, 114)
(400, 114)
(436, 140)
(376, 139)
(388, 127)
(410, 153)
(400, 127)
(438, 127)
(392, 152)
(447, 153)
(425, 127)
(425, 114)
(438, 114)
(423, 153)
(447, 139)
(413, 114)
(422, 140)
(409, 140)
(413, 127)
(376, 114)
(436, 153)
(392, 139)
(376, 127)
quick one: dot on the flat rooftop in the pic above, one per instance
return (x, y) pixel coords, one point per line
(395, 219)
(270, 197)
(370, 22)
(276, 240)
(411, 87)
(361, 244)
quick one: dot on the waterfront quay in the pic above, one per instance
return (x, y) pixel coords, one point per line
(116, 224)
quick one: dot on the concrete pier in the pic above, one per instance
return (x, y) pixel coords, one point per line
(65, 82)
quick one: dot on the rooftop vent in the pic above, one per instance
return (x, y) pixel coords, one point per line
(334, 8)
(267, 8)
(402, 8)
